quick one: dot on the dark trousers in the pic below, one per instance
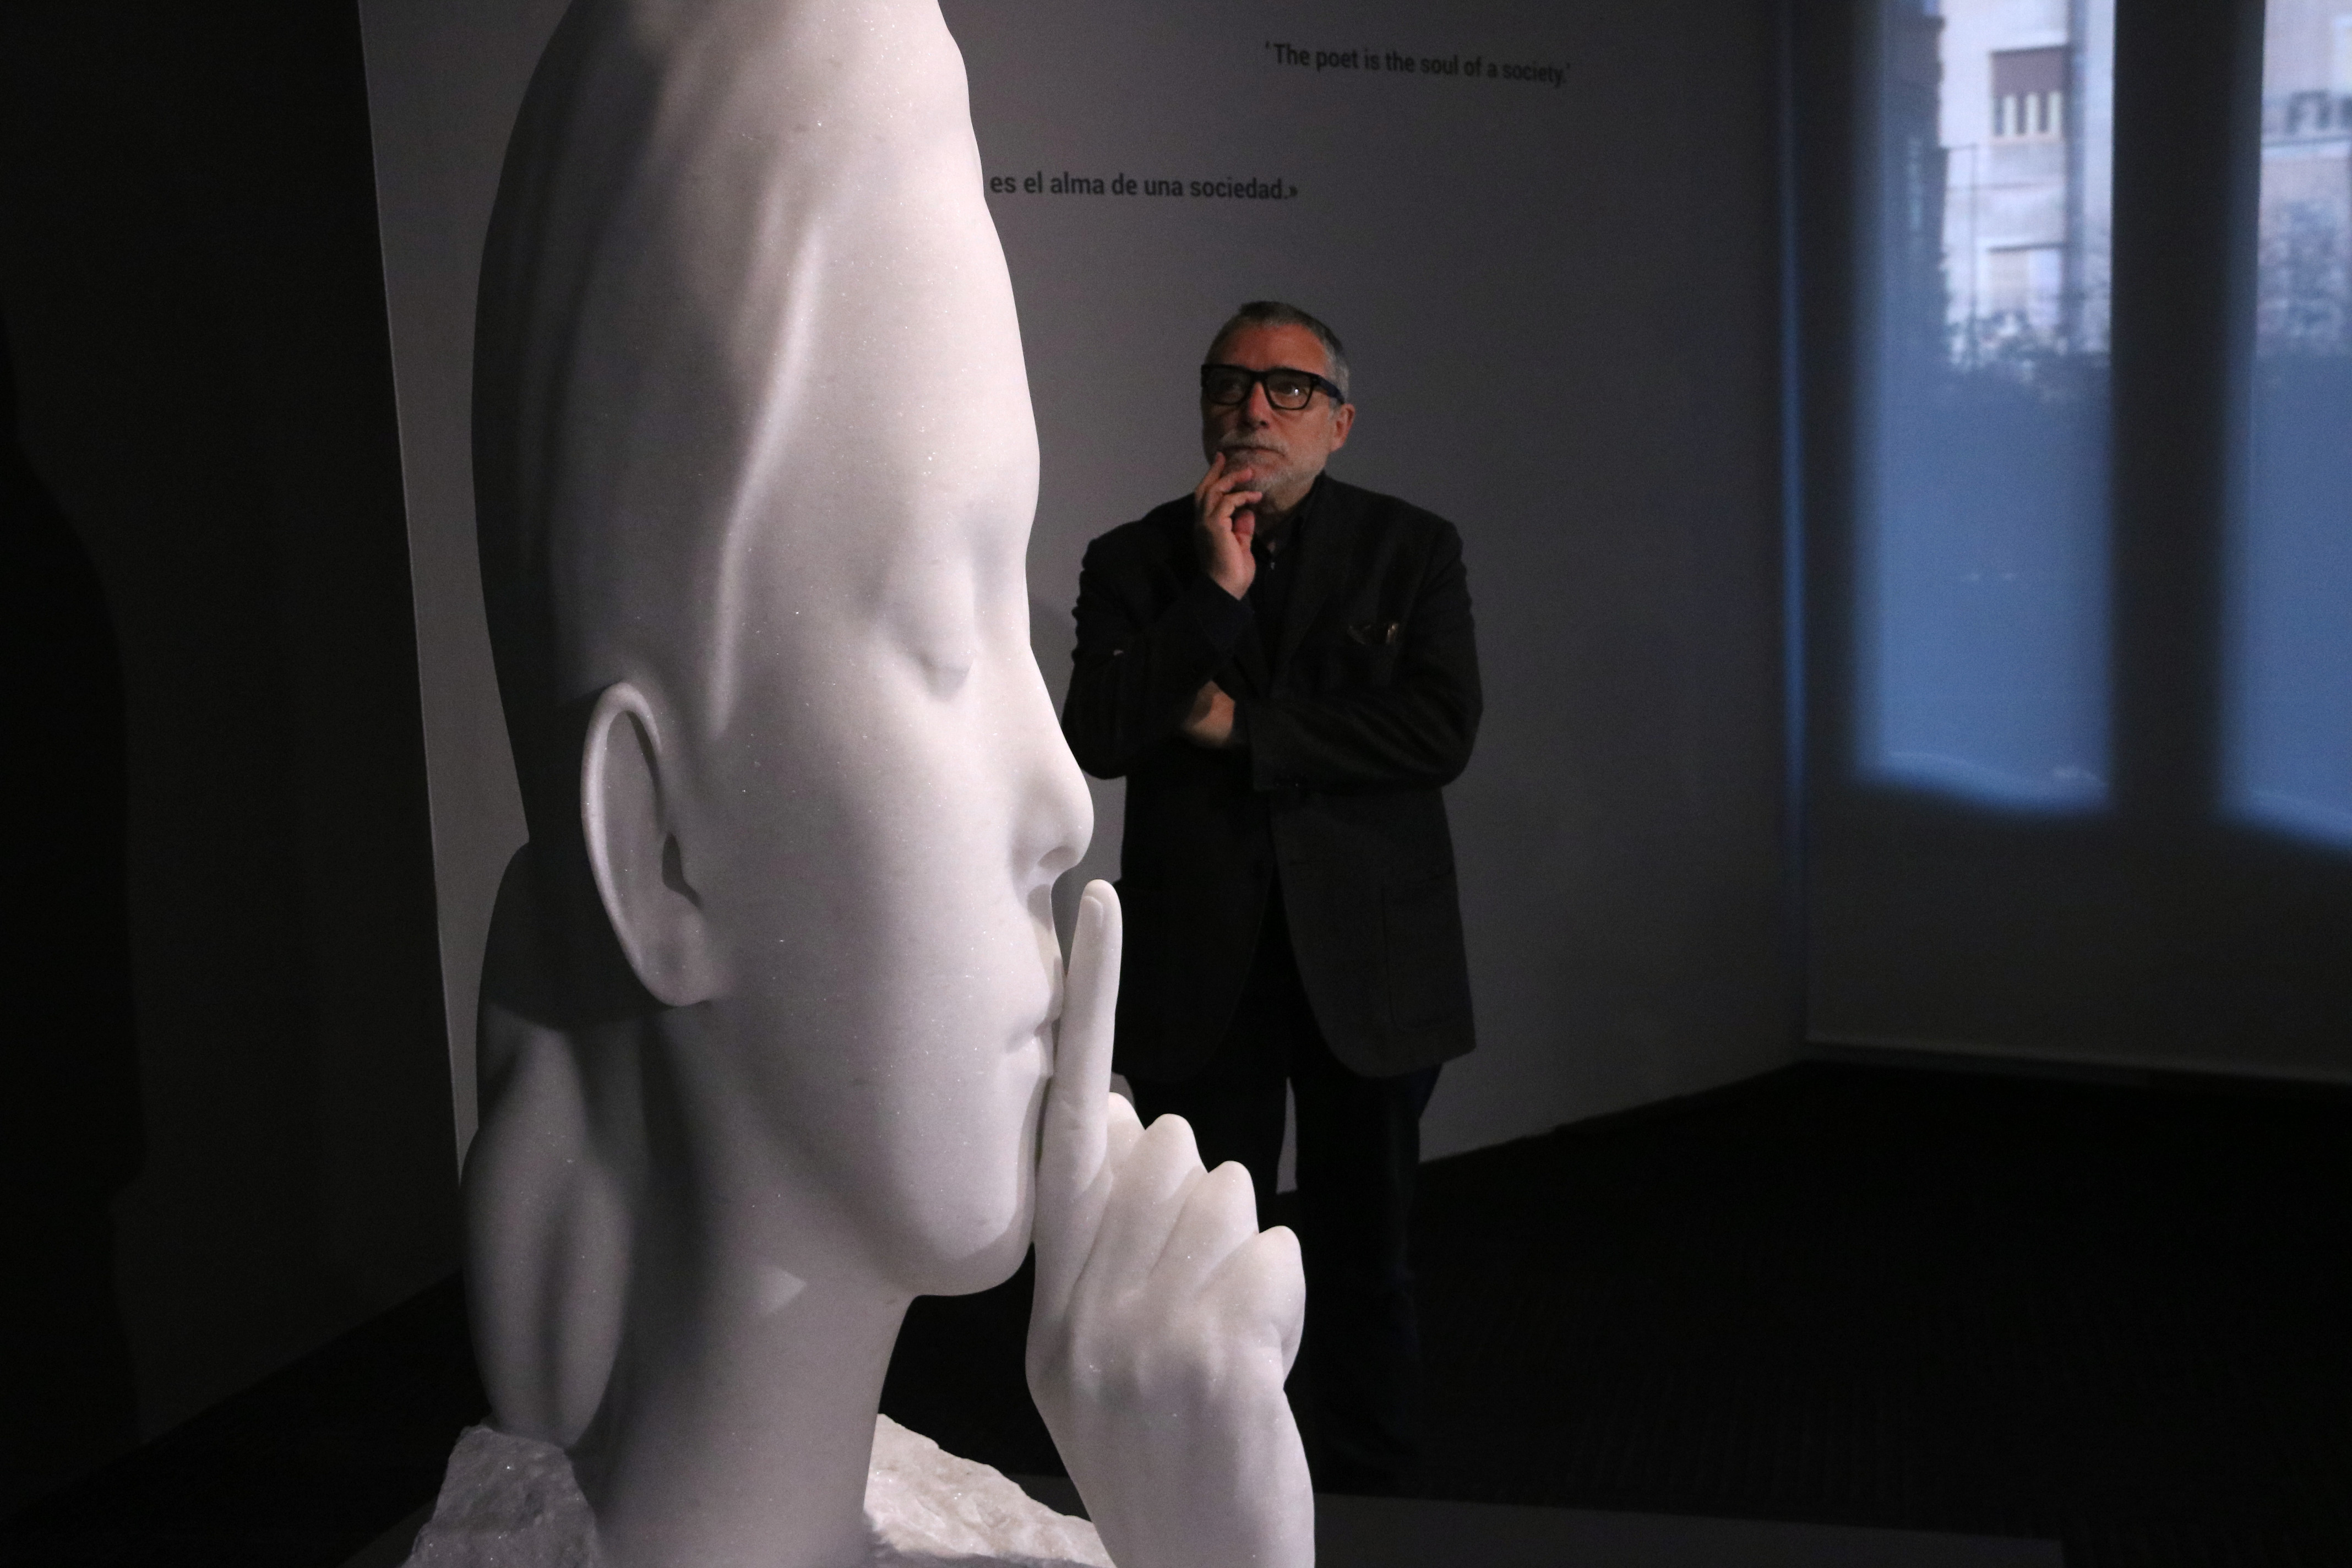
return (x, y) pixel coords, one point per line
(1359, 1147)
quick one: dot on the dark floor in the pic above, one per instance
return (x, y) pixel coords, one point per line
(2119, 1316)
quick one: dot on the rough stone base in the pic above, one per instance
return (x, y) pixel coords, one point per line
(511, 1503)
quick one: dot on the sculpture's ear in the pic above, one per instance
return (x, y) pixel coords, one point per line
(641, 867)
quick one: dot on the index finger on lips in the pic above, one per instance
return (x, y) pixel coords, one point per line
(1072, 1136)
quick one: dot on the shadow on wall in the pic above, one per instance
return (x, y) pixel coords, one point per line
(69, 1129)
(234, 1145)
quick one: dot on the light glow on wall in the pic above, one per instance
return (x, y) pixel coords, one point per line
(2289, 738)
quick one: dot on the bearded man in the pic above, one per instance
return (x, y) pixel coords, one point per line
(1282, 667)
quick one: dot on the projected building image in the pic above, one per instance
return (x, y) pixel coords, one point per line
(2290, 644)
(1983, 501)
(2024, 120)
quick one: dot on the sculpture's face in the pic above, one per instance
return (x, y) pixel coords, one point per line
(768, 403)
(888, 786)
(895, 801)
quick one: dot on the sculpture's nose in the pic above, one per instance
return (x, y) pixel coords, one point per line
(1057, 813)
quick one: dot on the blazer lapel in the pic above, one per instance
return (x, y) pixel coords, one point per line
(1324, 547)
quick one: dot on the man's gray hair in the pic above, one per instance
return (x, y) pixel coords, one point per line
(1275, 313)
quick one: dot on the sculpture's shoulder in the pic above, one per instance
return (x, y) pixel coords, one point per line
(512, 1503)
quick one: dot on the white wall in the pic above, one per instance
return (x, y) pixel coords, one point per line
(1560, 302)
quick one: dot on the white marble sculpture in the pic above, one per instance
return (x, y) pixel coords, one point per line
(773, 1032)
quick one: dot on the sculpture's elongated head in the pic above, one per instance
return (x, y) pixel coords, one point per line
(753, 449)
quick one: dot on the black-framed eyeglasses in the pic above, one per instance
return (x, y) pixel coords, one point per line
(1224, 386)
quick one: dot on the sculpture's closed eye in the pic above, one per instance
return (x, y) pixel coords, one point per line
(933, 621)
(945, 670)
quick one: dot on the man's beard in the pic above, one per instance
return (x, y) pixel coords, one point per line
(1270, 465)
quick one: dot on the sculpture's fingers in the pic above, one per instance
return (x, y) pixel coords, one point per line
(1123, 1132)
(1073, 1130)
(1220, 1214)
(1259, 1293)
(1148, 1191)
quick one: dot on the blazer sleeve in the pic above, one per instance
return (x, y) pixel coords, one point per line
(1416, 732)
(1135, 672)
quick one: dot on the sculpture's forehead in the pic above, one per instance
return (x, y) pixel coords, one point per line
(786, 382)
(887, 494)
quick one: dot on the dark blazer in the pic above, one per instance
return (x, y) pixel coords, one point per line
(1351, 725)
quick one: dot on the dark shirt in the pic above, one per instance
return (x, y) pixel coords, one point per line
(1277, 551)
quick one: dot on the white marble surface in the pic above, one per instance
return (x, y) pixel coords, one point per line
(775, 1032)
(511, 1503)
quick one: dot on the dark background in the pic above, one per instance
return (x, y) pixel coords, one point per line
(224, 1124)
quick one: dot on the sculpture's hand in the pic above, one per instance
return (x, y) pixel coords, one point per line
(1165, 1321)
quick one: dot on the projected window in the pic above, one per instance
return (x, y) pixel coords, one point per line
(2029, 92)
(2290, 719)
(1983, 504)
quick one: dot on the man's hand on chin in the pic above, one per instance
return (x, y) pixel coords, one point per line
(1223, 523)
(1211, 721)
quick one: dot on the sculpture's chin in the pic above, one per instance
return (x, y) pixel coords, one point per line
(989, 1267)
(962, 1226)
(972, 1210)
(928, 1251)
